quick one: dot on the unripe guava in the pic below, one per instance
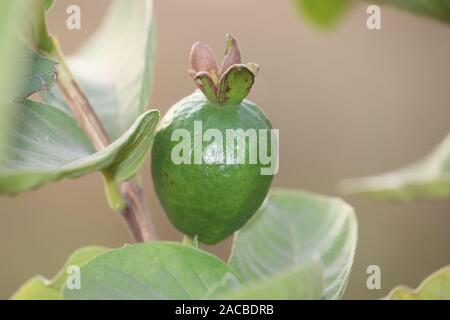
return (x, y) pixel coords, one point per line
(211, 194)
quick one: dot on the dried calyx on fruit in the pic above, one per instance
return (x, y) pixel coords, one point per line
(207, 191)
(229, 85)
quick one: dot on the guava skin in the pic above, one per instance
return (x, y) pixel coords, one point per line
(210, 201)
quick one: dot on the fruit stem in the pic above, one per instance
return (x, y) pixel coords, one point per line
(193, 242)
(129, 197)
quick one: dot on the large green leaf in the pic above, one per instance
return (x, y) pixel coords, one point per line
(291, 229)
(35, 72)
(428, 178)
(159, 270)
(324, 13)
(114, 67)
(39, 288)
(45, 144)
(299, 283)
(438, 9)
(435, 287)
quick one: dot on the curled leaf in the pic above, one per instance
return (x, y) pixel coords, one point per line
(45, 144)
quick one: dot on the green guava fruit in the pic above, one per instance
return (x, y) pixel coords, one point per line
(206, 190)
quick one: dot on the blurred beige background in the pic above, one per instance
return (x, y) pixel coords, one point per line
(349, 102)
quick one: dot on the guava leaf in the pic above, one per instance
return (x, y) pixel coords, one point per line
(292, 229)
(114, 68)
(39, 288)
(438, 9)
(435, 287)
(48, 4)
(157, 270)
(299, 283)
(9, 15)
(45, 144)
(35, 72)
(324, 13)
(426, 179)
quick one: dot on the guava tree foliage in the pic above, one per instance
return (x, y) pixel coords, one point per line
(312, 237)
(93, 117)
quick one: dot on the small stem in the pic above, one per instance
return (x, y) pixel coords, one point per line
(135, 203)
(133, 210)
(78, 102)
(187, 240)
(132, 225)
